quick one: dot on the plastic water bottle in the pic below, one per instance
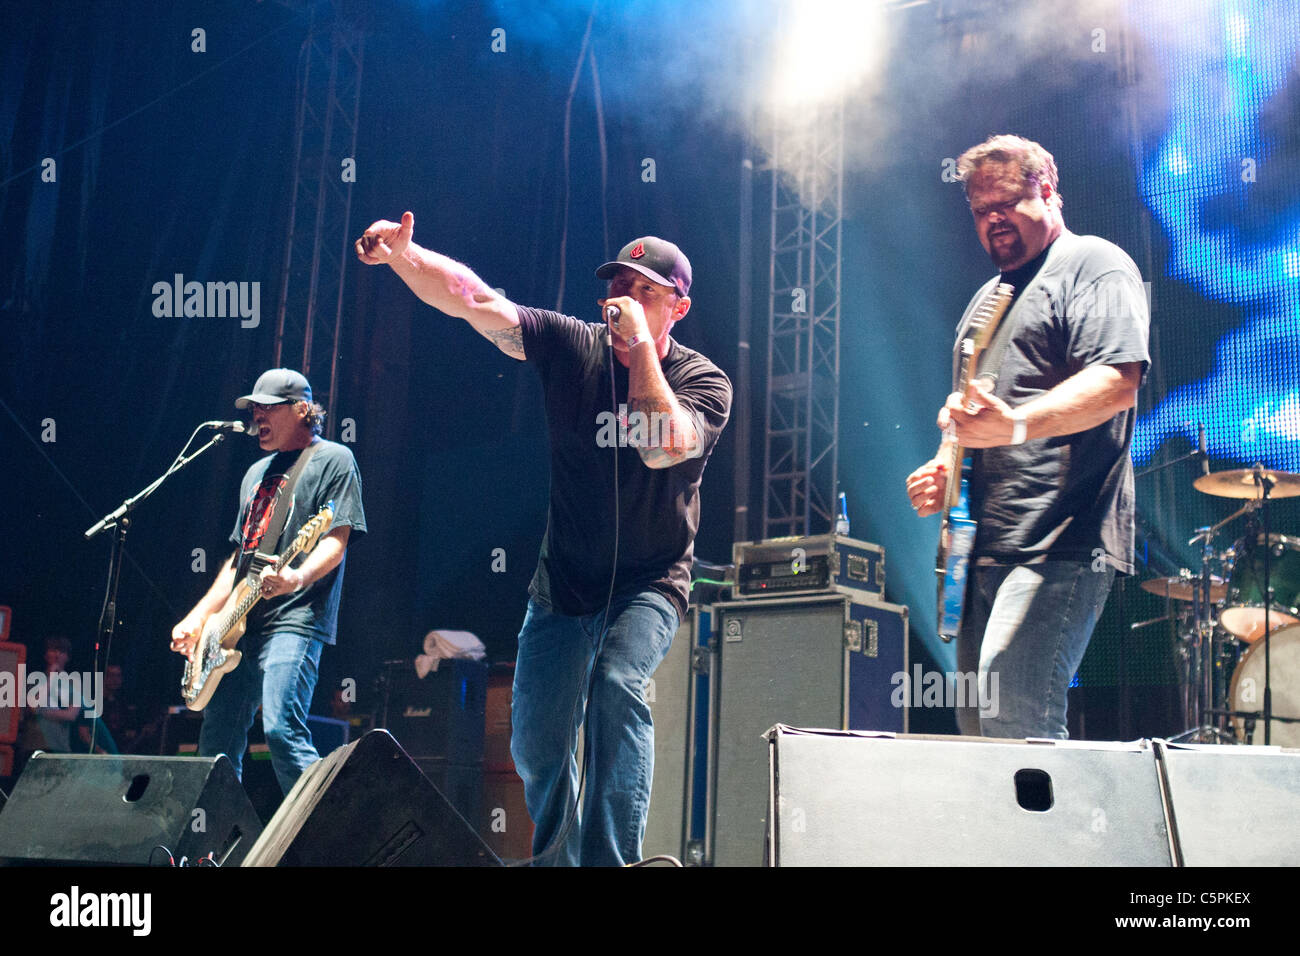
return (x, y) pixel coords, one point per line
(842, 521)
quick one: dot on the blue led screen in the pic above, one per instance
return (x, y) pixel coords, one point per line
(1221, 186)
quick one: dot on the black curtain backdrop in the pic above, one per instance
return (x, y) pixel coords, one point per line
(171, 161)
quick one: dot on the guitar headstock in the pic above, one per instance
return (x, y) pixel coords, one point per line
(311, 532)
(984, 323)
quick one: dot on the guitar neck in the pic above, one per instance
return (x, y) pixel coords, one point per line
(254, 594)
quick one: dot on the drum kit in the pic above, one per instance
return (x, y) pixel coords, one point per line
(1230, 624)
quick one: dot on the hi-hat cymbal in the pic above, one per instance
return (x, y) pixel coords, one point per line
(1240, 483)
(1183, 589)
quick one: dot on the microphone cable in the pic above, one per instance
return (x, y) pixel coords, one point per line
(571, 815)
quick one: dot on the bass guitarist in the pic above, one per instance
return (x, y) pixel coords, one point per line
(298, 613)
(1051, 481)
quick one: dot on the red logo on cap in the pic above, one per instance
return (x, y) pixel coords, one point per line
(638, 250)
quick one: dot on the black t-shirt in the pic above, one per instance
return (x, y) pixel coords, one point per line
(1081, 303)
(659, 509)
(330, 475)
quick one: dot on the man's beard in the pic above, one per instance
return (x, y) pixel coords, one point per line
(1005, 256)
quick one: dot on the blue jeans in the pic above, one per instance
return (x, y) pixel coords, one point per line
(279, 675)
(556, 656)
(1024, 632)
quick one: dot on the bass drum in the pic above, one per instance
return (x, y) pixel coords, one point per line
(1248, 689)
(1244, 615)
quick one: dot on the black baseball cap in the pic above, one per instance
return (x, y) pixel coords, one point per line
(656, 259)
(277, 386)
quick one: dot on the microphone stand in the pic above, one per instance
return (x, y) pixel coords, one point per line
(1265, 485)
(119, 519)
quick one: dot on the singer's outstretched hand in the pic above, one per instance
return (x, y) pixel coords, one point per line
(385, 241)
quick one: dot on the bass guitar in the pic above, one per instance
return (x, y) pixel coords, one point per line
(957, 532)
(215, 653)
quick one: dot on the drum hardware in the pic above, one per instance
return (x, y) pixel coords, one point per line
(1147, 623)
(1255, 483)
(1202, 652)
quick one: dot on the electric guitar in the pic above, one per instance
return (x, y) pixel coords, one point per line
(957, 532)
(215, 653)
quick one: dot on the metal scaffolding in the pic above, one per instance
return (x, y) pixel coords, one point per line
(800, 454)
(318, 243)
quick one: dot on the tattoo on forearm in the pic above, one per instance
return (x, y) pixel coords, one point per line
(670, 440)
(510, 341)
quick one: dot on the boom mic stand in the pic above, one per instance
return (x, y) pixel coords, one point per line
(120, 520)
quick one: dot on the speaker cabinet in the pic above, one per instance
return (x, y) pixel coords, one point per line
(1233, 806)
(368, 804)
(82, 809)
(823, 661)
(671, 696)
(12, 658)
(844, 799)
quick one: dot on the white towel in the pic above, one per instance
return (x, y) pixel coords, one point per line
(448, 645)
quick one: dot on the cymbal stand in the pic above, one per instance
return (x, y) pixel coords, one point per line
(1203, 657)
(1265, 485)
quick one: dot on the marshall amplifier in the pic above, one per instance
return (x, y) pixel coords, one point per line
(812, 564)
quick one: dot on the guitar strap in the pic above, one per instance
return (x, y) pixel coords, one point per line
(279, 514)
(993, 357)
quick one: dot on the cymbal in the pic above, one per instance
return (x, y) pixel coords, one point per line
(1183, 589)
(1240, 483)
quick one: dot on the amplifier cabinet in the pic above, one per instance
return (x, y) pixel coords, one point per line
(672, 695)
(828, 660)
(12, 657)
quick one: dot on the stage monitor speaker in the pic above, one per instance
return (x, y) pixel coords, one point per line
(118, 810)
(368, 804)
(1233, 806)
(845, 799)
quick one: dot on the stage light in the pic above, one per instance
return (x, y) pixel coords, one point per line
(825, 48)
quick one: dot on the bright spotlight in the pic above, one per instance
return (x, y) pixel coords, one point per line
(825, 48)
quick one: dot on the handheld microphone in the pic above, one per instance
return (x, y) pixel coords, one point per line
(612, 312)
(239, 428)
(1205, 457)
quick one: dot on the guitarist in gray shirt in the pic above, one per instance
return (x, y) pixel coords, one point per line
(1051, 480)
(298, 611)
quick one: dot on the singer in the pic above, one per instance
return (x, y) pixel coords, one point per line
(298, 613)
(612, 580)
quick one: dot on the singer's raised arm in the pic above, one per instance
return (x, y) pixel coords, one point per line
(444, 283)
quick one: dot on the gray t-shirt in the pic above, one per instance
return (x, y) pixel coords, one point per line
(1081, 303)
(330, 475)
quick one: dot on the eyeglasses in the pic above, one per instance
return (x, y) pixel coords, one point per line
(255, 406)
(1001, 208)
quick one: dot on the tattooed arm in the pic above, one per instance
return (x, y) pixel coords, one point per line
(443, 283)
(670, 431)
